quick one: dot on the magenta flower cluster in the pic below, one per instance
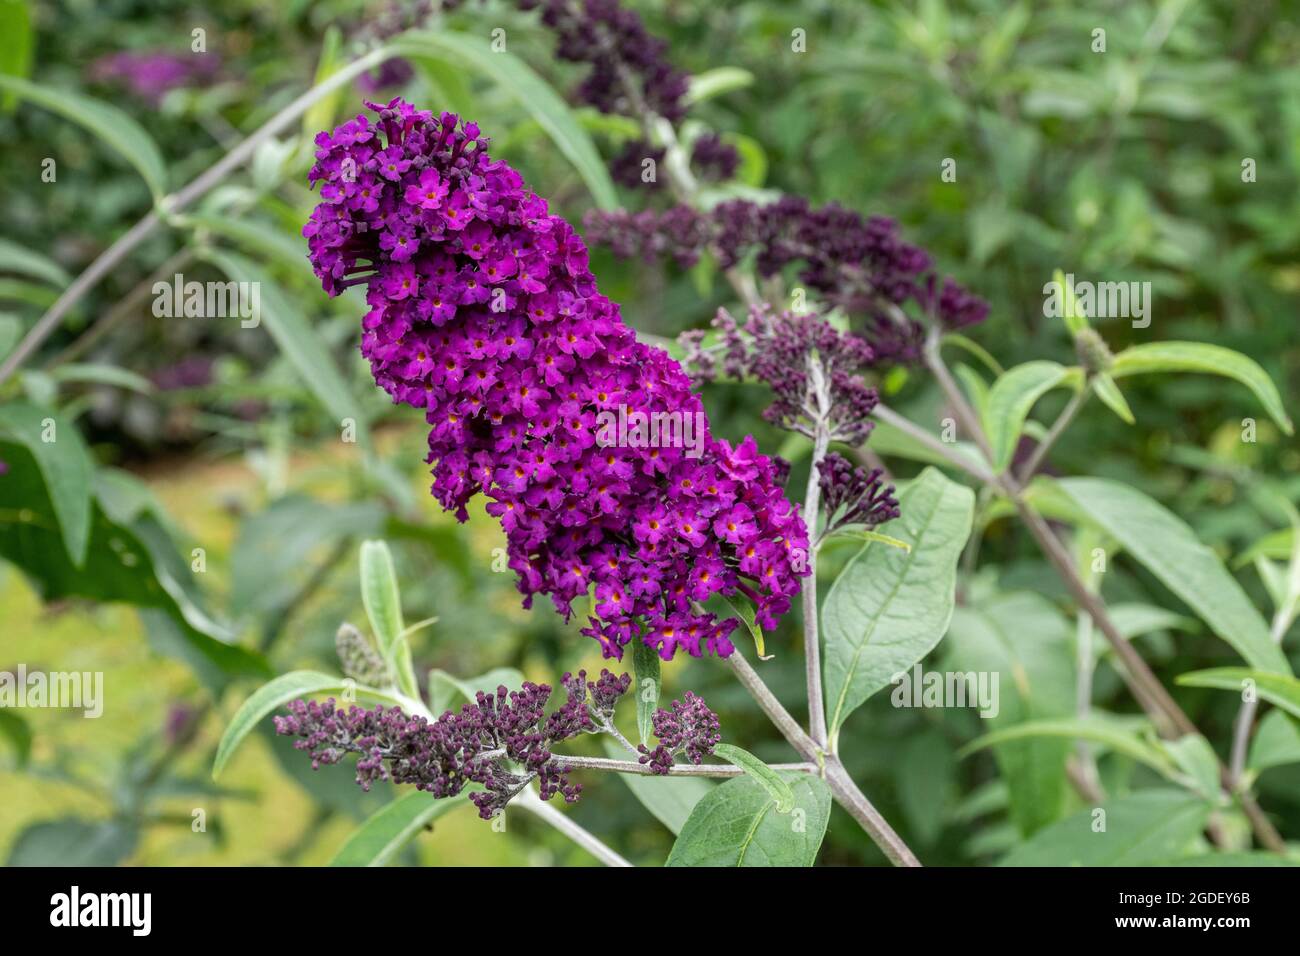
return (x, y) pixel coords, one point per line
(485, 314)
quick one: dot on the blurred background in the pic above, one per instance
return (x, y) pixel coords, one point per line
(1122, 165)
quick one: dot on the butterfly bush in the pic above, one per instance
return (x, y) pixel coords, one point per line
(501, 741)
(858, 264)
(484, 313)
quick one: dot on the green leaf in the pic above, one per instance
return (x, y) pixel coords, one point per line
(296, 340)
(768, 778)
(1276, 743)
(889, 608)
(17, 259)
(1198, 762)
(65, 465)
(1202, 357)
(1133, 619)
(866, 534)
(1104, 387)
(72, 841)
(96, 374)
(383, 602)
(977, 390)
(383, 835)
(532, 92)
(1009, 403)
(1141, 828)
(1278, 689)
(671, 799)
(892, 442)
(15, 729)
(975, 349)
(118, 130)
(717, 82)
(16, 42)
(1028, 643)
(445, 690)
(1075, 320)
(320, 115)
(744, 610)
(1167, 548)
(645, 670)
(276, 694)
(1275, 544)
(737, 824)
(1117, 736)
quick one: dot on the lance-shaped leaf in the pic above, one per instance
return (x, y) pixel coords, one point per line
(645, 669)
(1009, 403)
(118, 130)
(1281, 690)
(768, 778)
(1169, 549)
(1152, 826)
(1202, 357)
(890, 606)
(384, 834)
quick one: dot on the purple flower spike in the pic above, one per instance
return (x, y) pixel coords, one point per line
(590, 446)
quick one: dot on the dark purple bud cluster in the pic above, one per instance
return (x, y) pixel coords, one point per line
(860, 265)
(690, 728)
(587, 700)
(627, 166)
(501, 742)
(814, 369)
(854, 496)
(713, 159)
(611, 40)
(617, 46)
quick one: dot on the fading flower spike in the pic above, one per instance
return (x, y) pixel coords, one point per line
(484, 313)
(690, 728)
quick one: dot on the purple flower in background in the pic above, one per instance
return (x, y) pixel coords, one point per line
(714, 159)
(392, 72)
(689, 728)
(860, 265)
(804, 359)
(854, 496)
(151, 75)
(194, 371)
(528, 378)
(628, 166)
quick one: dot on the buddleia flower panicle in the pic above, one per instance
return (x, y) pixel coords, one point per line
(813, 369)
(854, 495)
(860, 265)
(501, 741)
(483, 313)
(688, 729)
